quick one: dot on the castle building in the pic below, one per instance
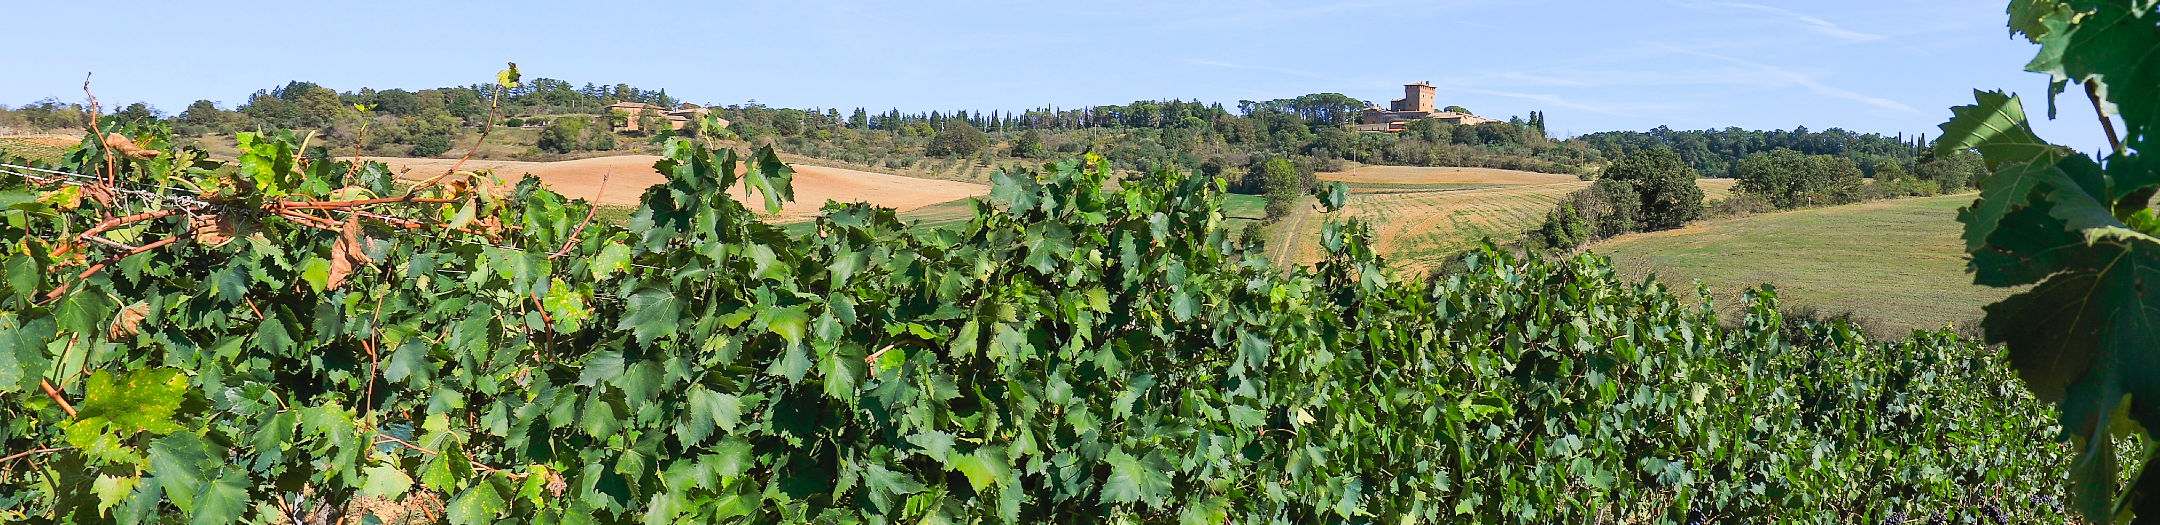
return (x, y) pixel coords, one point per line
(677, 118)
(1417, 103)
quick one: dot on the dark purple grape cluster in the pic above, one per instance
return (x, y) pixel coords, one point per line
(2047, 500)
(1994, 513)
(1896, 518)
(1696, 517)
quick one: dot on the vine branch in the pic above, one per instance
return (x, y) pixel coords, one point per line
(2092, 92)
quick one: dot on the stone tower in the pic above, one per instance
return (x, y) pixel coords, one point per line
(1418, 97)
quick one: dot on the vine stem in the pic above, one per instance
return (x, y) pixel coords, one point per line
(2092, 92)
(385, 438)
(485, 129)
(55, 394)
(589, 213)
(93, 269)
(28, 453)
(111, 177)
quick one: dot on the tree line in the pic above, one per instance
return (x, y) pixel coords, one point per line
(1655, 189)
(1717, 153)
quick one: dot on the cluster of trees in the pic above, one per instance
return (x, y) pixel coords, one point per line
(569, 134)
(49, 114)
(1312, 131)
(1649, 190)
(1717, 153)
(1787, 179)
(1654, 189)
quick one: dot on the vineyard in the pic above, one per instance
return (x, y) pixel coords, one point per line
(281, 340)
(306, 336)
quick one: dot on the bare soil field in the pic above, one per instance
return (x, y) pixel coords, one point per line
(628, 176)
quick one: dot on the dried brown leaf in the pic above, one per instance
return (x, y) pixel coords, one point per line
(128, 322)
(127, 147)
(346, 254)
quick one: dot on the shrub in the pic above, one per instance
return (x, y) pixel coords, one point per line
(564, 135)
(1665, 184)
(430, 145)
(1029, 146)
(957, 138)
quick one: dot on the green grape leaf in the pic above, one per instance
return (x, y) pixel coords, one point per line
(985, 467)
(478, 505)
(1335, 196)
(2084, 339)
(652, 314)
(567, 305)
(222, 501)
(1997, 127)
(1017, 191)
(111, 490)
(387, 482)
(1136, 479)
(772, 179)
(936, 444)
(731, 458)
(24, 274)
(709, 410)
(842, 369)
(22, 351)
(316, 272)
(141, 401)
(613, 258)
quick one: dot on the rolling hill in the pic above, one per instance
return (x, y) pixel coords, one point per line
(1899, 263)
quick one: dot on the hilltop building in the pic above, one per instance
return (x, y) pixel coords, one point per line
(677, 118)
(1417, 103)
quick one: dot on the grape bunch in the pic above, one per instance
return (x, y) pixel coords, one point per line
(1896, 518)
(1994, 513)
(1696, 517)
(2047, 500)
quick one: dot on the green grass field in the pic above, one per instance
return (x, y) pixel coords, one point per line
(1899, 264)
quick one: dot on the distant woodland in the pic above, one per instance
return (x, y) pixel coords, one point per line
(549, 119)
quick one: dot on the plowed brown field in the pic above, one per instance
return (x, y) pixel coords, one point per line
(628, 176)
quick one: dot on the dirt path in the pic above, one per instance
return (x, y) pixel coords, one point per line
(628, 176)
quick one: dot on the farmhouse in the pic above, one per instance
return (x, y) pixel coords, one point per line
(677, 118)
(1417, 103)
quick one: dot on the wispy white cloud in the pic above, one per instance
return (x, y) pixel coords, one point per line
(1807, 22)
(1228, 65)
(1555, 100)
(1773, 75)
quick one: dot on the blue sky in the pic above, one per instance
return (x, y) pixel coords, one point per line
(1885, 66)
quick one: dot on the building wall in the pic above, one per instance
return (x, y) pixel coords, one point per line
(1417, 97)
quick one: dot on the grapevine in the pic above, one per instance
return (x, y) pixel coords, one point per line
(290, 339)
(2080, 231)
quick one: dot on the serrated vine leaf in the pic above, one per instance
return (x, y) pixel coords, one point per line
(1136, 479)
(1997, 127)
(2087, 337)
(221, 501)
(387, 482)
(773, 179)
(478, 505)
(141, 401)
